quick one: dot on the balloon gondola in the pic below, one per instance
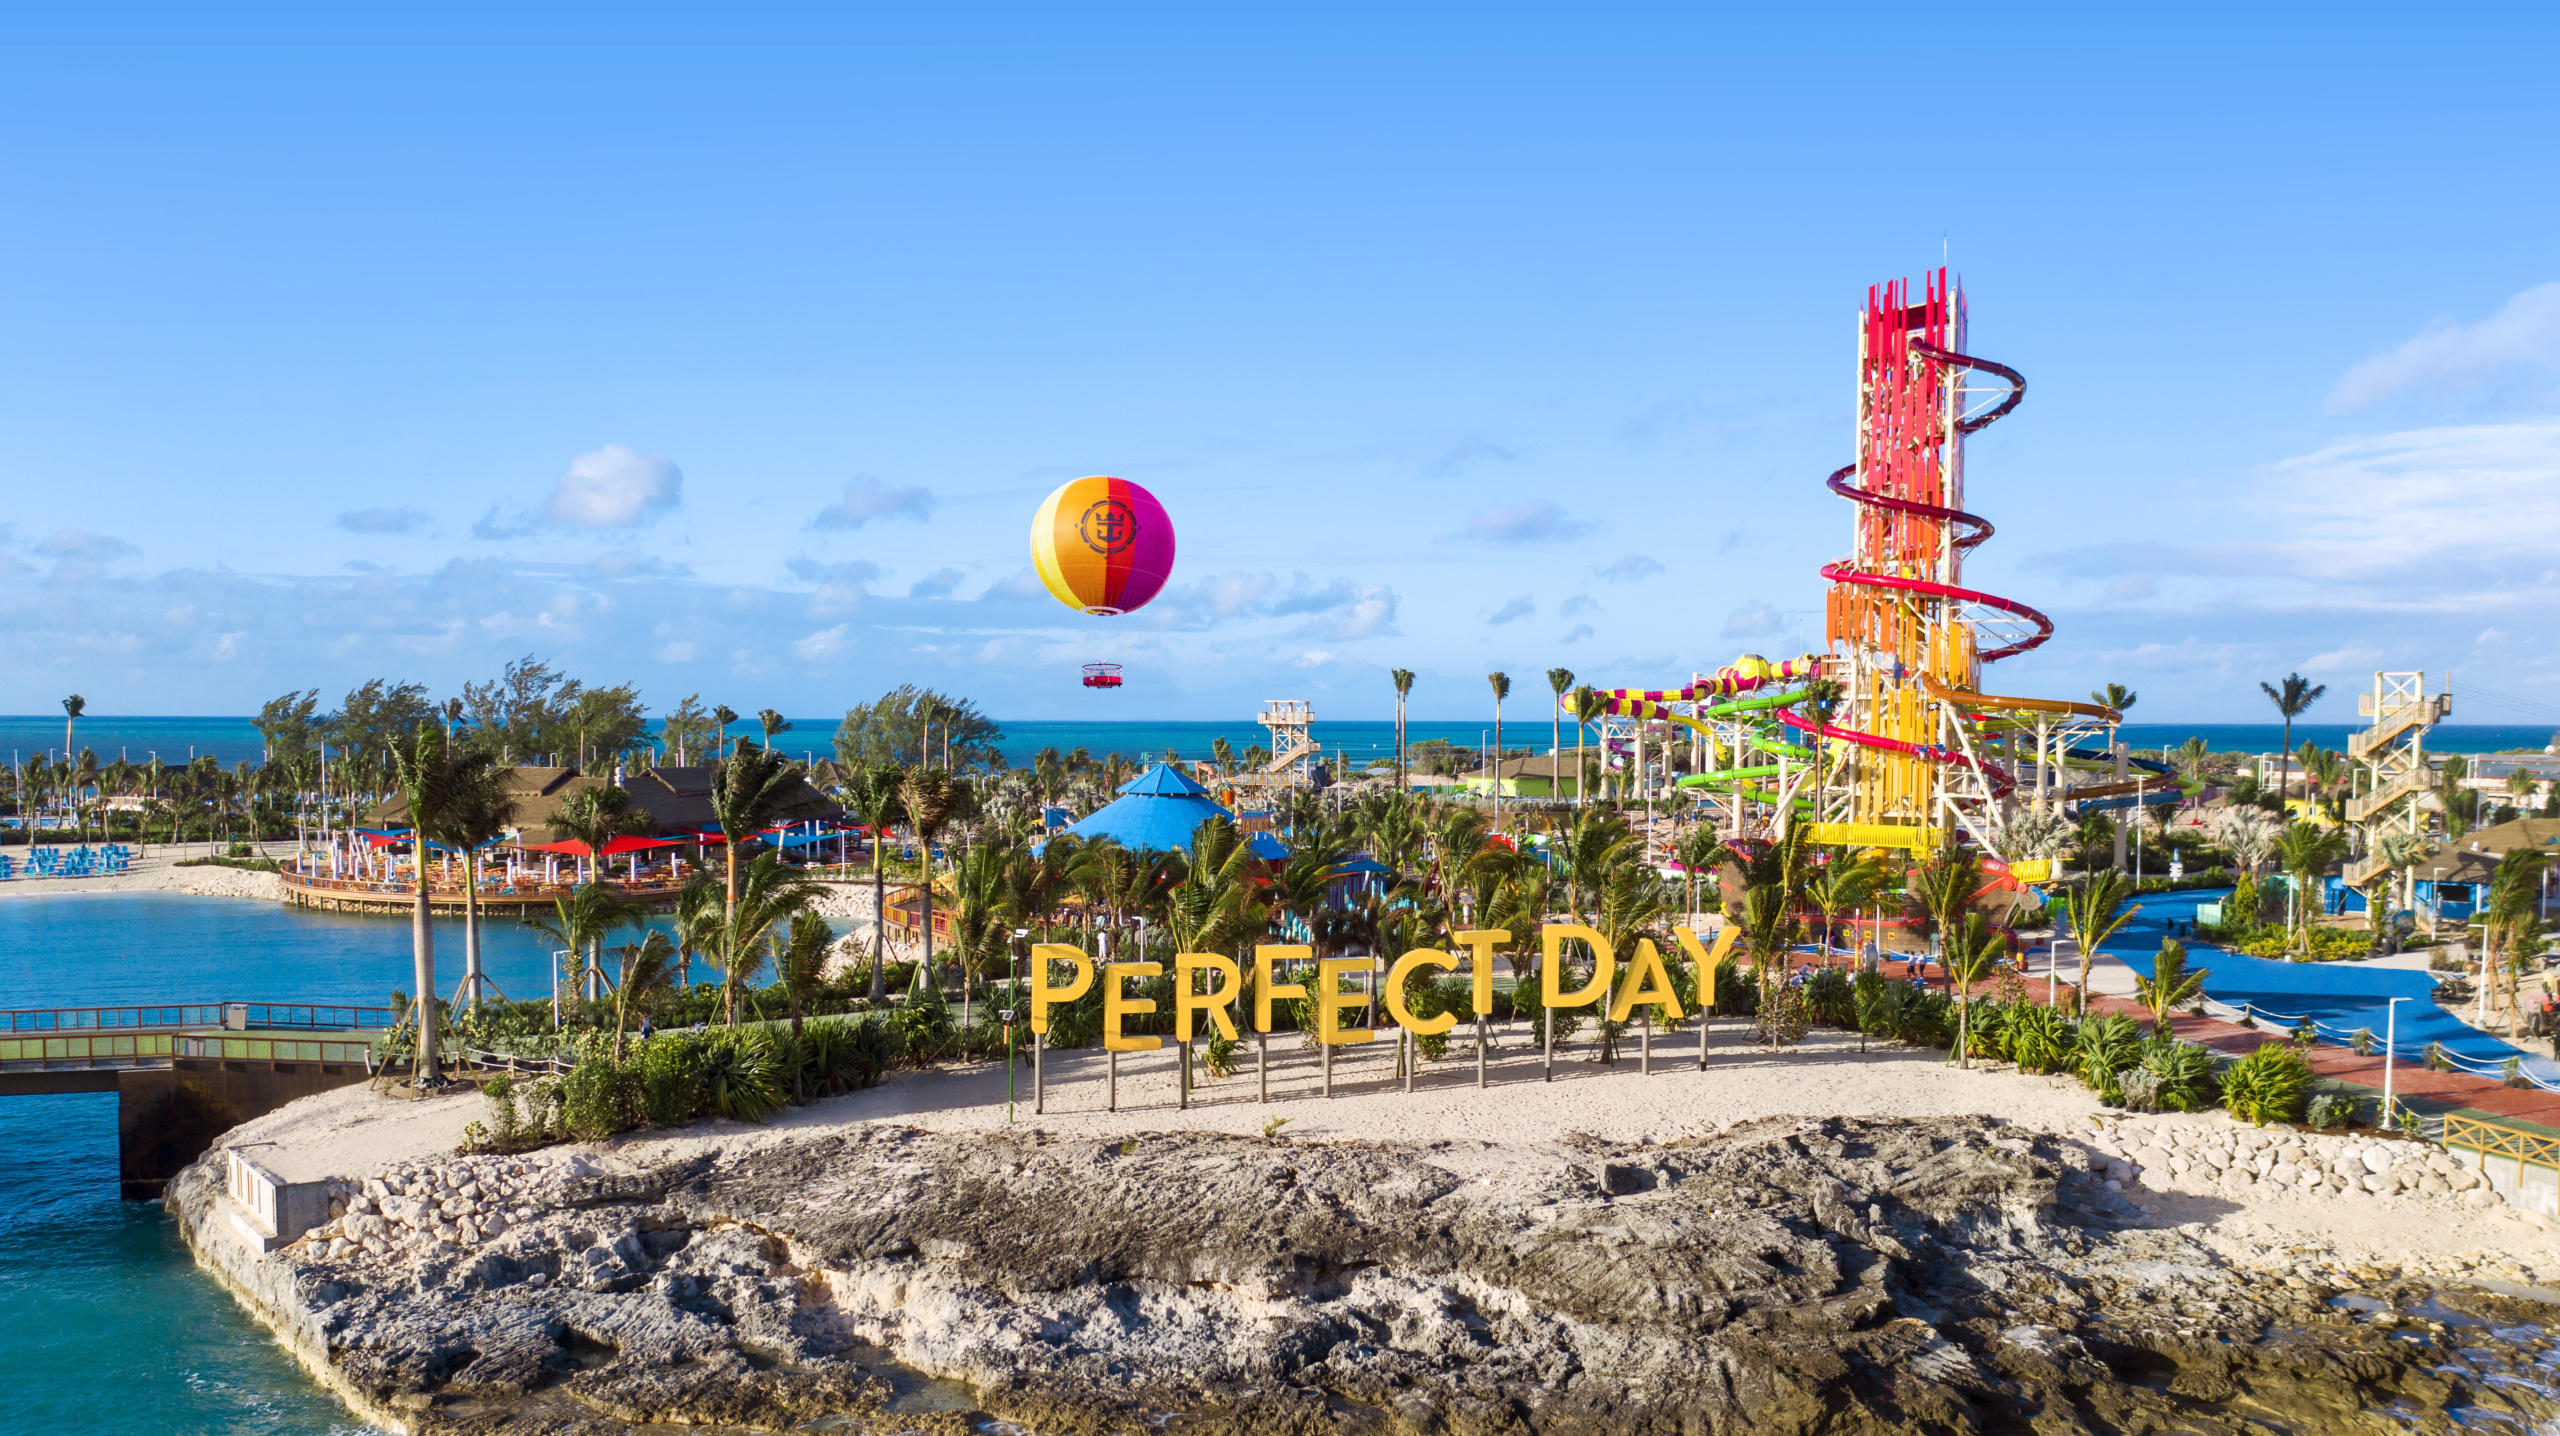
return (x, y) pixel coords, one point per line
(1102, 675)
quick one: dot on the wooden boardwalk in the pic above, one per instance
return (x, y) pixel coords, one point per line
(447, 899)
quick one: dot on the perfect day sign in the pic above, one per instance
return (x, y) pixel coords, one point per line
(1646, 983)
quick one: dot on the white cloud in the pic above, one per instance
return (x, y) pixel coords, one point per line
(1370, 614)
(381, 521)
(1576, 634)
(1754, 620)
(1579, 604)
(1520, 607)
(614, 488)
(2131, 587)
(83, 544)
(2452, 356)
(825, 644)
(1466, 453)
(866, 498)
(937, 584)
(1630, 568)
(1531, 521)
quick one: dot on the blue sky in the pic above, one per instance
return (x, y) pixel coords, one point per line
(733, 356)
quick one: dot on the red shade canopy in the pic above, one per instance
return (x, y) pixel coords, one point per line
(573, 848)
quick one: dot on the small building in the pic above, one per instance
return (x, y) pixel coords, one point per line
(1550, 775)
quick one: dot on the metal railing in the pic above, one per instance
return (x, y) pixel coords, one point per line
(234, 1015)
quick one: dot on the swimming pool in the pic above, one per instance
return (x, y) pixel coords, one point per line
(2339, 995)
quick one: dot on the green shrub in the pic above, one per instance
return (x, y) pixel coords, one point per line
(2040, 1038)
(2332, 1110)
(1736, 995)
(600, 1097)
(2104, 1049)
(924, 1023)
(2180, 1075)
(2438, 1060)
(875, 1050)
(2271, 1084)
(739, 1080)
(1830, 1000)
(1987, 1028)
(670, 1066)
(2361, 1043)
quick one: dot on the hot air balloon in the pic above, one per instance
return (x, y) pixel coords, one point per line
(1103, 545)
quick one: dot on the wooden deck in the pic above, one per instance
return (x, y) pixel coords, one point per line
(495, 899)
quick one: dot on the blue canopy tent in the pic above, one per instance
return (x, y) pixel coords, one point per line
(1157, 811)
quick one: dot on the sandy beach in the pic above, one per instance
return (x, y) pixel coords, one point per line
(157, 873)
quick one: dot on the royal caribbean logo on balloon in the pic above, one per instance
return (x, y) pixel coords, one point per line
(1108, 526)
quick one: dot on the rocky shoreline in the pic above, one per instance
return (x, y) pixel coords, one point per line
(1785, 1275)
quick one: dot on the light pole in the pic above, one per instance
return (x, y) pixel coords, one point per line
(2390, 1032)
(1013, 994)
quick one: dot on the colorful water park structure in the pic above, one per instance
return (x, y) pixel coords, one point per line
(1888, 740)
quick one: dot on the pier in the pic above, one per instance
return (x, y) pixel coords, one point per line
(184, 1073)
(495, 899)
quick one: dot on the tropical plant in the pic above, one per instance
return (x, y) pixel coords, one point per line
(1558, 680)
(747, 794)
(737, 1076)
(1501, 685)
(2333, 1110)
(2511, 935)
(1402, 678)
(2040, 1038)
(766, 900)
(2114, 695)
(2297, 695)
(699, 917)
(2102, 1051)
(1848, 881)
(580, 921)
(1969, 954)
(2181, 1075)
(441, 788)
(594, 817)
(647, 966)
(2170, 986)
(931, 799)
(874, 793)
(2271, 1084)
(2096, 907)
(2306, 849)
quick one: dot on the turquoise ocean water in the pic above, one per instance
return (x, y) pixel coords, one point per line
(1525, 725)
(105, 1325)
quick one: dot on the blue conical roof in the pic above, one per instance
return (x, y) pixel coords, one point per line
(1165, 780)
(1157, 812)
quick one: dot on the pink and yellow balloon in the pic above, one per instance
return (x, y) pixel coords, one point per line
(1102, 545)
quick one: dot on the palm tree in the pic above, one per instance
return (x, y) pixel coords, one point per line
(1559, 680)
(874, 796)
(2512, 927)
(1586, 852)
(930, 798)
(647, 965)
(746, 791)
(983, 911)
(1403, 680)
(1587, 705)
(441, 788)
(580, 921)
(480, 816)
(769, 895)
(772, 722)
(1944, 889)
(2170, 986)
(72, 708)
(2306, 850)
(1846, 884)
(700, 911)
(1501, 684)
(799, 966)
(2298, 694)
(723, 716)
(2396, 853)
(2189, 758)
(2092, 908)
(2114, 695)
(1968, 954)
(597, 816)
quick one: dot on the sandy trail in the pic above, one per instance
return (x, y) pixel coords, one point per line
(157, 873)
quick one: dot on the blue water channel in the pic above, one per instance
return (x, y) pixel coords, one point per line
(2342, 995)
(105, 1325)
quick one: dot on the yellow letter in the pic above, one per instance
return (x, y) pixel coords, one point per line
(1214, 1002)
(1604, 965)
(1118, 1006)
(1647, 981)
(1332, 1001)
(1421, 1026)
(1043, 996)
(1480, 946)
(1706, 961)
(1264, 989)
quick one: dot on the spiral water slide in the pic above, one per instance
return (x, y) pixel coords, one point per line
(2034, 626)
(1741, 686)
